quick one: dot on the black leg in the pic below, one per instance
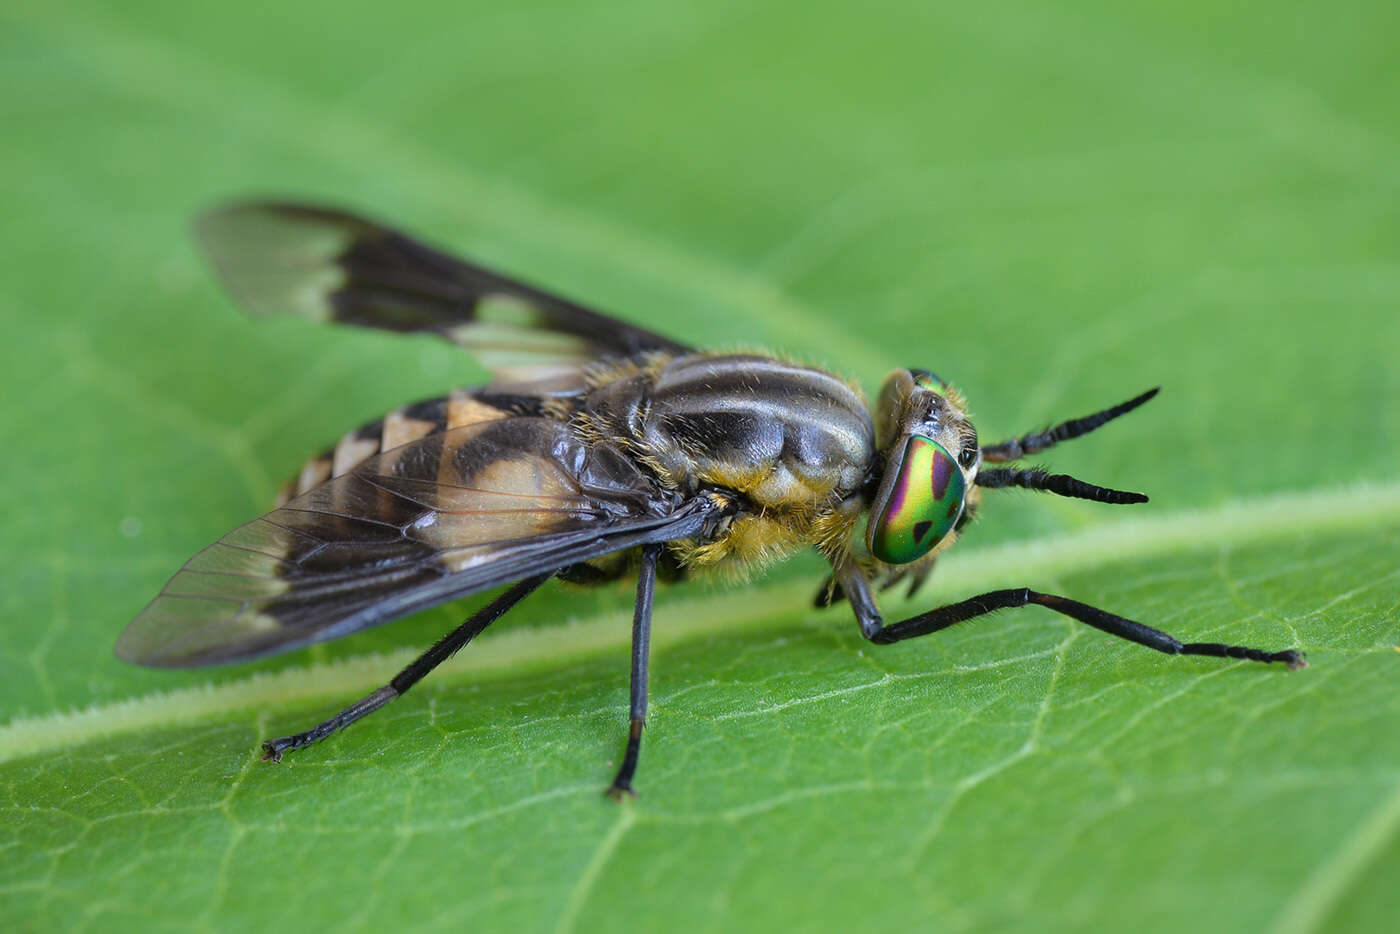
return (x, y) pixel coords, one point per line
(1074, 428)
(917, 579)
(445, 648)
(641, 650)
(862, 602)
(830, 592)
(915, 574)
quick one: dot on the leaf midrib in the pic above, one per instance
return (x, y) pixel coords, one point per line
(511, 652)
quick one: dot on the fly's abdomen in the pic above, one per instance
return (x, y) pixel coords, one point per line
(458, 409)
(455, 512)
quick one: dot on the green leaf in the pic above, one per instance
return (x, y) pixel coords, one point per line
(1053, 206)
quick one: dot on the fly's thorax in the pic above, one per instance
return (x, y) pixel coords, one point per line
(792, 445)
(930, 457)
(785, 436)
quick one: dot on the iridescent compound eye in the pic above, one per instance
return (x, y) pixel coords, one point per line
(920, 500)
(927, 380)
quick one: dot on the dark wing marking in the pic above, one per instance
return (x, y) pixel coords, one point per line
(330, 265)
(448, 515)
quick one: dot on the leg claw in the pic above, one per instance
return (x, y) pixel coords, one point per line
(620, 792)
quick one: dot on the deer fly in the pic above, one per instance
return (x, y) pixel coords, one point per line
(598, 449)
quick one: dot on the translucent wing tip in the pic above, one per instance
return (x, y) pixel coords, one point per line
(138, 645)
(277, 258)
(191, 632)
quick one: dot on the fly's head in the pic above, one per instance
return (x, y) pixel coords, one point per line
(930, 455)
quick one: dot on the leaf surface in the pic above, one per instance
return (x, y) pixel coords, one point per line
(1052, 206)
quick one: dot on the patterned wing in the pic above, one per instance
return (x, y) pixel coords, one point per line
(333, 266)
(448, 515)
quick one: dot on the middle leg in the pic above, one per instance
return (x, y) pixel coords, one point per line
(641, 651)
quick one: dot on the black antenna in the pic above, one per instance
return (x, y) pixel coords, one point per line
(1040, 440)
(1033, 478)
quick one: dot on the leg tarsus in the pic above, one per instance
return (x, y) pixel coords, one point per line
(622, 784)
(273, 749)
(439, 653)
(1292, 658)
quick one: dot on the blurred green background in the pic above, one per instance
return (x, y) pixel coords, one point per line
(1053, 205)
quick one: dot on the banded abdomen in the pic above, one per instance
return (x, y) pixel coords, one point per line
(409, 423)
(457, 511)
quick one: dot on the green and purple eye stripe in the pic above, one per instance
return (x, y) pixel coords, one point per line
(919, 503)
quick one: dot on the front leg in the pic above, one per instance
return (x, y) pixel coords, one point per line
(857, 589)
(917, 574)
